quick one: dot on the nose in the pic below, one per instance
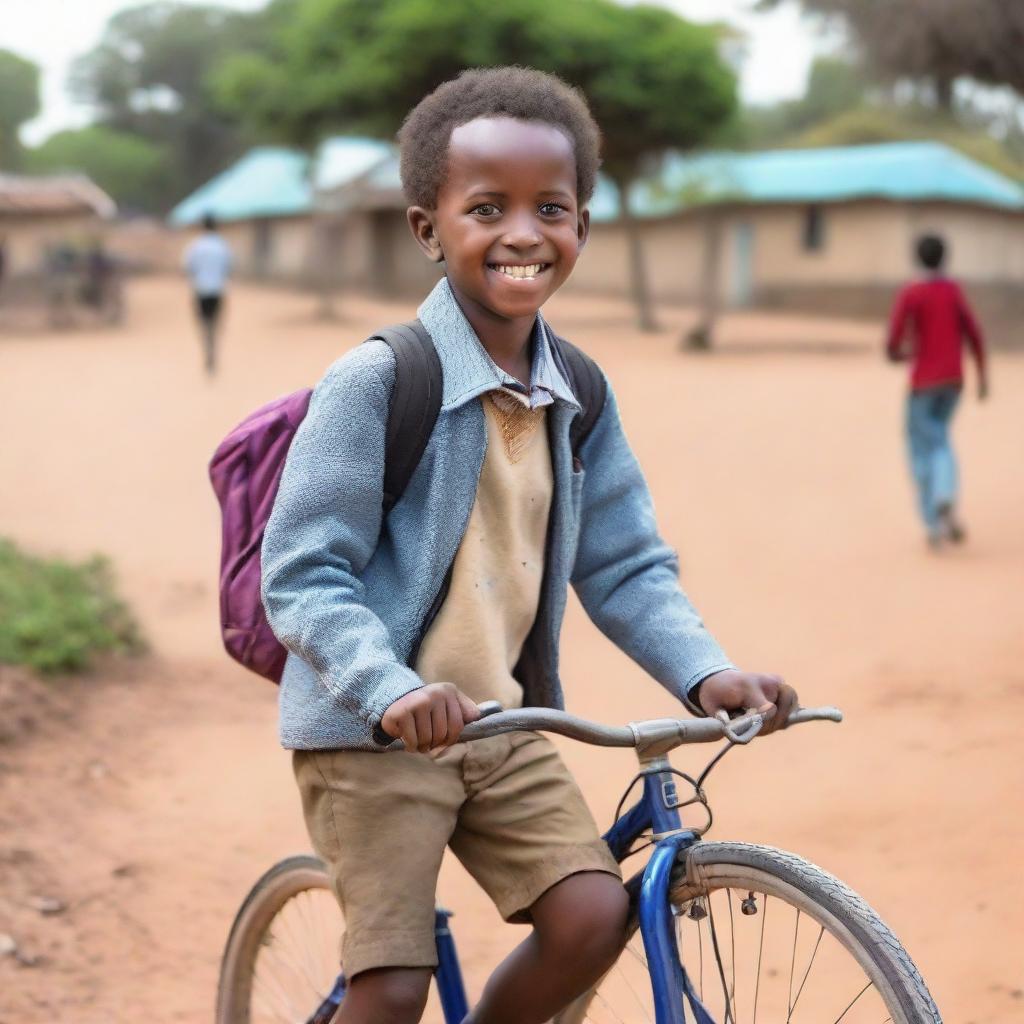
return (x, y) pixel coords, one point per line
(521, 231)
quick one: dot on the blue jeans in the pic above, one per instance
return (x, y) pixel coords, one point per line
(931, 455)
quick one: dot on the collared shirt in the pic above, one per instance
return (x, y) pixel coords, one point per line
(469, 369)
(208, 263)
(540, 391)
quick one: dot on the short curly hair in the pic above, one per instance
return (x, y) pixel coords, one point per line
(521, 93)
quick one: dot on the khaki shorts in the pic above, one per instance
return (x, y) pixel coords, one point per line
(507, 806)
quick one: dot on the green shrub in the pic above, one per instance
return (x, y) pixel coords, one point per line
(55, 615)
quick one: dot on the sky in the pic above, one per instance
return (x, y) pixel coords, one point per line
(780, 47)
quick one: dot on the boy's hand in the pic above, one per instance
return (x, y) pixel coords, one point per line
(732, 690)
(430, 717)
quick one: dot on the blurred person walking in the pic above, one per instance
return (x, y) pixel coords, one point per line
(937, 316)
(101, 287)
(208, 263)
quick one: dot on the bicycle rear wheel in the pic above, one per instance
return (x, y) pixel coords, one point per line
(767, 936)
(281, 963)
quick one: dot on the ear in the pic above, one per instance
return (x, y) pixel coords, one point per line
(422, 226)
(582, 229)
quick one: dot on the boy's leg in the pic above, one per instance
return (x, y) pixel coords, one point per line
(944, 470)
(526, 835)
(208, 310)
(921, 441)
(389, 995)
(380, 822)
(578, 933)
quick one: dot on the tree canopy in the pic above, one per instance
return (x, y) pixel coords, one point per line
(654, 81)
(149, 77)
(935, 41)
(19, 102)
(131, 169)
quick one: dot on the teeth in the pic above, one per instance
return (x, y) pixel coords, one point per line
(523, 272)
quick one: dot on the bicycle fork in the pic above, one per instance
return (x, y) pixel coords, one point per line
(670, 983)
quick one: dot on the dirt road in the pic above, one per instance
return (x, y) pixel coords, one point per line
(153, 794)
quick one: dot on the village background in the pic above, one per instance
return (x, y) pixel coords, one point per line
(742, 262)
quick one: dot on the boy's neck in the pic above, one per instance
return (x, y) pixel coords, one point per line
(506, 340)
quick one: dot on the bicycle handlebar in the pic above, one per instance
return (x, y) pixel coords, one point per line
(673, 731)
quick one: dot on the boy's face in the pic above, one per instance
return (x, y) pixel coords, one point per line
(507, 222)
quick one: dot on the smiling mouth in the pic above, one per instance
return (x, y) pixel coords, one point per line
(529, 272)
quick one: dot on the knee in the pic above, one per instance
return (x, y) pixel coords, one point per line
(391, 996)
(592, 929)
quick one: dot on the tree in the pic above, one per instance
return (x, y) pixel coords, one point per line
(149, 76)
(654, 81)
(19, 102)
(934, 41)
(999, 43)
(131, 169)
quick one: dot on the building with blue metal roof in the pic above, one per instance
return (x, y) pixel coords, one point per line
(829, 229)
(821, 229)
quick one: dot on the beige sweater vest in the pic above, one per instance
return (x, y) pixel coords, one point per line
(476, 639)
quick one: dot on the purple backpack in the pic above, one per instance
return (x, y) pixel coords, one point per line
(246, 471)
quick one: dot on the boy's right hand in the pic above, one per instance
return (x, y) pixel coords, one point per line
(432, 716)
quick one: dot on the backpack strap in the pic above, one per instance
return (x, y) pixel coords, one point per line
(415, 403)
(588, 385)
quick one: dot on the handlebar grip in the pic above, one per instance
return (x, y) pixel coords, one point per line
(823, 714)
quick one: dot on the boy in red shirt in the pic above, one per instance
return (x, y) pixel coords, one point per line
(940, 318)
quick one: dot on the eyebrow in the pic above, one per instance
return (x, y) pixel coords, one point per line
(496, 194)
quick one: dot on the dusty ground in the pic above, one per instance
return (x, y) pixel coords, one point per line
(148, 796)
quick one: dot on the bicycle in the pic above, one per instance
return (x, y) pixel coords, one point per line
(281, 958)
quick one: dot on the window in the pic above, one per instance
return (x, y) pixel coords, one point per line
(814, 229)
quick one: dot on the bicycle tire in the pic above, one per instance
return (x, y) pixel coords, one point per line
(712, 866)
(267, 897)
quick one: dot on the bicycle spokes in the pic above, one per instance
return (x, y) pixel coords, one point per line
(752, 958)
(296, 969)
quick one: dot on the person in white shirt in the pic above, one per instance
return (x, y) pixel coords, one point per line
(208, 264)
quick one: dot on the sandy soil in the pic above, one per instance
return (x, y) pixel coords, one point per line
(148, 796)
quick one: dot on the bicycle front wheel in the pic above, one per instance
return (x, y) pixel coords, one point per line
(767, 936)
(281, 964)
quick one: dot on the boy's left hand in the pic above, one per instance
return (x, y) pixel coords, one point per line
(733, 690)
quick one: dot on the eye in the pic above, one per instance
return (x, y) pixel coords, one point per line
(485, 209)
(552, 209)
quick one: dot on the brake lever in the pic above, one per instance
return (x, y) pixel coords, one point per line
(750, 724)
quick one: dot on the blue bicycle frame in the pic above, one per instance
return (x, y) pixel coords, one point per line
(657, 810)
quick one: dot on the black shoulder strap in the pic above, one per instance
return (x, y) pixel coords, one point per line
(415, 403)
(588, 385)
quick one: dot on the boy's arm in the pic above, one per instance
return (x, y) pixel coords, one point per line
(323, 530)
(626, 577)
(898, 327)
(975, 340)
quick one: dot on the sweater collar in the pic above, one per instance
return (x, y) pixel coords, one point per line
(468, 371)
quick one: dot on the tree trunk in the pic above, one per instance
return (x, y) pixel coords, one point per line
(943, 86)
(326, 258)
(701, 335)
(637, 267)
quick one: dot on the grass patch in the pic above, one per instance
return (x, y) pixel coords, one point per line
(56, 615)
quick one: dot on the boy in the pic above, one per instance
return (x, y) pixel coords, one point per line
(208, 264)
(941, 318)
(498, 166)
